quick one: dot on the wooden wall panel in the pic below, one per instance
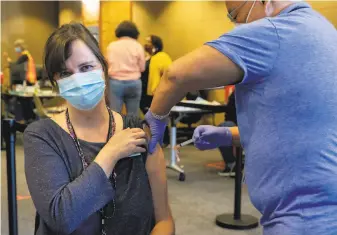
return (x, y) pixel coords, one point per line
(112, 13)
(90, 12)
(328, 9)
(70, 11)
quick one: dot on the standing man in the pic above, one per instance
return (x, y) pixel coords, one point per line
(24, 57)
(284, 68)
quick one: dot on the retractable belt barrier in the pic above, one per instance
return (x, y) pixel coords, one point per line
(9, 129)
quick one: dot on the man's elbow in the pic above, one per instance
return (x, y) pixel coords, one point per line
(174, 76)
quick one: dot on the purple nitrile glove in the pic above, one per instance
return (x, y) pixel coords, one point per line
(210, 137)
(157, 128)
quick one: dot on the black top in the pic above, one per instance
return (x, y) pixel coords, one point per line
(22, 59)
(68, 199)
(145, 77)
(231, 109)
(18, 70)
(145, 101)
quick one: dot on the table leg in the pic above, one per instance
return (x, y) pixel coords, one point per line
(173, 142)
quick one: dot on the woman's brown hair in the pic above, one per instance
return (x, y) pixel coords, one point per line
(57, 49)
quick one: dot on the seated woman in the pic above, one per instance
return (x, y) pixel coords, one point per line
(87, 168)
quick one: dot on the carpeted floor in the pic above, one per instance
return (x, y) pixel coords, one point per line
(194, 203)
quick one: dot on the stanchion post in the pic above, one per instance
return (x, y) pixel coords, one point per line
(10, 137)
(237, 221)
(238, 181)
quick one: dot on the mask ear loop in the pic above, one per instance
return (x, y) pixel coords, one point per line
(106, 88)
(250, 11)
(229, 14)
(269, 8)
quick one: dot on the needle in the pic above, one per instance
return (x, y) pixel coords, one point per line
(186, 143)
(135, 154)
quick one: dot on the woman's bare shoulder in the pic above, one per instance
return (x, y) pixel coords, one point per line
(60, 120)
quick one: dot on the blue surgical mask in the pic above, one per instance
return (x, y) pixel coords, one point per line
(83, 90)
(17, 49)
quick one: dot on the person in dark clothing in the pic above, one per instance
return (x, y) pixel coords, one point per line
(23, 72)
(87, 169)
(157, 63)
(227, 152)
(23, 69)
(145, 100)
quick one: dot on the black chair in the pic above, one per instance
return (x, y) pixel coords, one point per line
(40, 74)
(17, 73)
(190, 119)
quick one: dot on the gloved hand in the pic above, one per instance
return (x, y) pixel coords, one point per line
(157, 128)
(210, 137)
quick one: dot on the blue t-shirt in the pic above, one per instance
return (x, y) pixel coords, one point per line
(287, 117)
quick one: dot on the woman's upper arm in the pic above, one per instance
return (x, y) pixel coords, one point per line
(156, 170)
(43, 165)
(46, 174)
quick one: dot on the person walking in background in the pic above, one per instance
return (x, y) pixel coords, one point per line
(126, 60)
(24, 57)
(23, 72)
(158, 62)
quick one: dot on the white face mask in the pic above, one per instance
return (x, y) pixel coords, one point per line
(269, 9)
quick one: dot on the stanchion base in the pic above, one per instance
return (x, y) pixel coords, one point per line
(228, 221)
